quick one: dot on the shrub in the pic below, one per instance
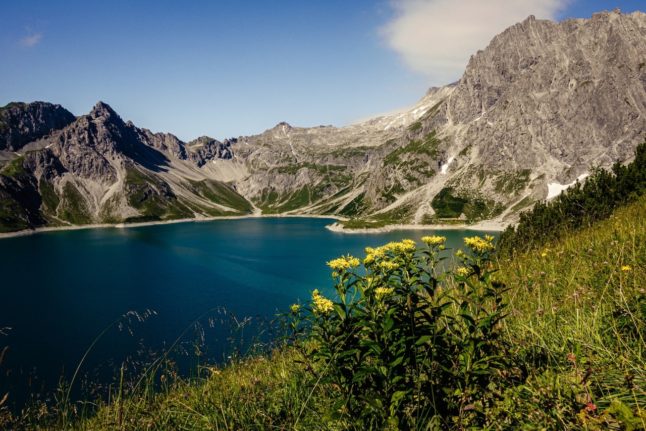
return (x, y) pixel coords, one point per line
(406, 344)
(579, 206)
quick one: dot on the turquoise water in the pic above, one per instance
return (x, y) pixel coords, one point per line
(60, 289)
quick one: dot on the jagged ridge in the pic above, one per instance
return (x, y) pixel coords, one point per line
(541, 105)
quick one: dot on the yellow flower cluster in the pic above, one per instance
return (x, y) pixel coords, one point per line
(463, 271)
(394, 247)
(295, 308)
(320, 304)
(382, 292)
(403, 246)
(387, 265)
(433, 240)
(377, 252)
(626, 268)
(343, 263)
(480, 245)
(370, 259)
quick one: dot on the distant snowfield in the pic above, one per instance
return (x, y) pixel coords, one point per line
(555, 189)
(445, 167)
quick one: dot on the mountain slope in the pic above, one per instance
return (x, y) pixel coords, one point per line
(536, 109)
(541, 105)
(99, 169)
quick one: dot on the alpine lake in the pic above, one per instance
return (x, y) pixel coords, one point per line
(194, 293)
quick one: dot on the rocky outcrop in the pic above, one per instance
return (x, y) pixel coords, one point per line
(21, 123)
(204, 149)
(562, 94)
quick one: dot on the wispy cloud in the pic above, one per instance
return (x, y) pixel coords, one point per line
(31, 40)
(437, 37)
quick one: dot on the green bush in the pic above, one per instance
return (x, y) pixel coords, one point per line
(404, 344)
(579, 206)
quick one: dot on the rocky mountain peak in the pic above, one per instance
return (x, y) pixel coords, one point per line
(103, 110)
(21, 123)
(283, 125)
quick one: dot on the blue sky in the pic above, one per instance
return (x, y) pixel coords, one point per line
(231, 67)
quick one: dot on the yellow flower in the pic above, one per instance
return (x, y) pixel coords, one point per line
(295, 308)
(463, 271)
(460, 254)
(343, 263)
(478, 244)
(408, 245)
(626, 268)
(404, 246)
(434, 240)
(544, 254)
(381, 292)
(370, 258)
(320, 304)
(387, 265)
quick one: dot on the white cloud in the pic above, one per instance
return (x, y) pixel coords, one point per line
(437, 37)
(31, 40)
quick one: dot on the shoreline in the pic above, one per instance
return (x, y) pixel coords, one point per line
(38, 230)
(486, 226)
(490, 226)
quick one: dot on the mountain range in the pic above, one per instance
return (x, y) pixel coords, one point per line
(539, 107)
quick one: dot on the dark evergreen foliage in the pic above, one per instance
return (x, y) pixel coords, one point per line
(578, 207)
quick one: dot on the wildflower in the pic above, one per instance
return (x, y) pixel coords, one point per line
(433, 240)
(478, 244)
(320, 304)
(626, 268)
(388, 265)
(590, 407)
(571, 357)
(460, 254)
(343, 263)
(463, 271)
(404, 246)
(408, 245)
(544, 254)
(382, 292)
(373, 253)
(295, 308)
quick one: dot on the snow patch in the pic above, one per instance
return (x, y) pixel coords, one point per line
(555, 189)
(417, 113)
(445, 167)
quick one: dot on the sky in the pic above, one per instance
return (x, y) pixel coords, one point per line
(227, 68)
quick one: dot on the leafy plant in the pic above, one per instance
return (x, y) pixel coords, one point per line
(402, 345)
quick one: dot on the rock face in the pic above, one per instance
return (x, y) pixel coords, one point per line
(100, 169)
(21, 123)
(562, 94)
(541, 105)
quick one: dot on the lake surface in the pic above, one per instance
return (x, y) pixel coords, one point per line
(59, 290)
